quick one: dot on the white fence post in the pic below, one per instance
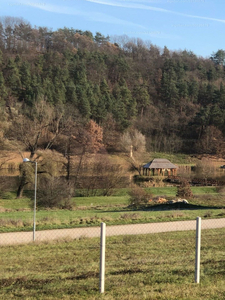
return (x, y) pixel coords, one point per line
(102, 259)
(197, 251)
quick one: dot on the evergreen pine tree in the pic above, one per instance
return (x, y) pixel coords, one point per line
(12, 77)
(2, 88)
(105, 96)
(71, 95)
(193, 91)
(83, 103)
(142, 98)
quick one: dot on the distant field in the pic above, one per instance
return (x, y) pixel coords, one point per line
(17, 214)
(154, 266)
(178, 158)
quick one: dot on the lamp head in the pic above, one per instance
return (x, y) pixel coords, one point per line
(26, 160)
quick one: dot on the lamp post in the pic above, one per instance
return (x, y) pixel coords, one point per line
(35, 194)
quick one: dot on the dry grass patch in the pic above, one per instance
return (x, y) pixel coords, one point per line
(11, 223)
(48, 221)
(130, 216)
(175, 215)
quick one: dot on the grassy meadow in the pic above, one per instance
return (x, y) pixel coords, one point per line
(17, 214)
(154, 266)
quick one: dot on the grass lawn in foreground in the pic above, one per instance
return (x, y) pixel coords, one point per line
(154, 266)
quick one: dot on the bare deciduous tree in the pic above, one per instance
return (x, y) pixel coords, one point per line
(29, 129)
(50, 164)
(90, 139)
(133, 138)
(103, 177)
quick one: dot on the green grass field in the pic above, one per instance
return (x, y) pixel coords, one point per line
(154, 266)
(17, 214)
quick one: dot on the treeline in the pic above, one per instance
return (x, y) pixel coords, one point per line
(174, 99)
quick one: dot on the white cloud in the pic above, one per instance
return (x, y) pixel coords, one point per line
(204, 18)
(71, 10)
(130, 4)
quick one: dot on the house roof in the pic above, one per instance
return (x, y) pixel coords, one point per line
(160, 163)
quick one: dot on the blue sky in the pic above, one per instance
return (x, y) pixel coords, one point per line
(196, 25)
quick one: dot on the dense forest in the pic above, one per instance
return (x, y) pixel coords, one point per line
(62, 88)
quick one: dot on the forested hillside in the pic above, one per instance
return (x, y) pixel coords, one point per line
(52, 83)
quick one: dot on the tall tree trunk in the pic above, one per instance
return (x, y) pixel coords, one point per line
(22, 184)
(79, 166)
(68, 165)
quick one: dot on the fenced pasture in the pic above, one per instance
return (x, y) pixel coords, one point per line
(138, 265)
(149, 266)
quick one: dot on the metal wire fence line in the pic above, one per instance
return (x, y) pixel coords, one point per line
(10, 238)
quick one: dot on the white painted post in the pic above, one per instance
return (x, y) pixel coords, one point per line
(102, 259)
(197, 251)
(35, 201)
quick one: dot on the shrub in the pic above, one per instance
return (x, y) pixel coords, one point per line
(54, 192)
(138, 197)
(220, 189)
(7, 195)
(184, 190)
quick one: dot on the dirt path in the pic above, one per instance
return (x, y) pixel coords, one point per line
(75, 233)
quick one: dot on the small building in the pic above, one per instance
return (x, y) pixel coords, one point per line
(159, 166)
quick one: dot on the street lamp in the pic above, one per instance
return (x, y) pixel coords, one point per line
(35, 194)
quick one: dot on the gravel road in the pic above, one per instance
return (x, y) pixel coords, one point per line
(75, 233)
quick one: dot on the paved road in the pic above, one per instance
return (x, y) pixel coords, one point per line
(75, 233)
